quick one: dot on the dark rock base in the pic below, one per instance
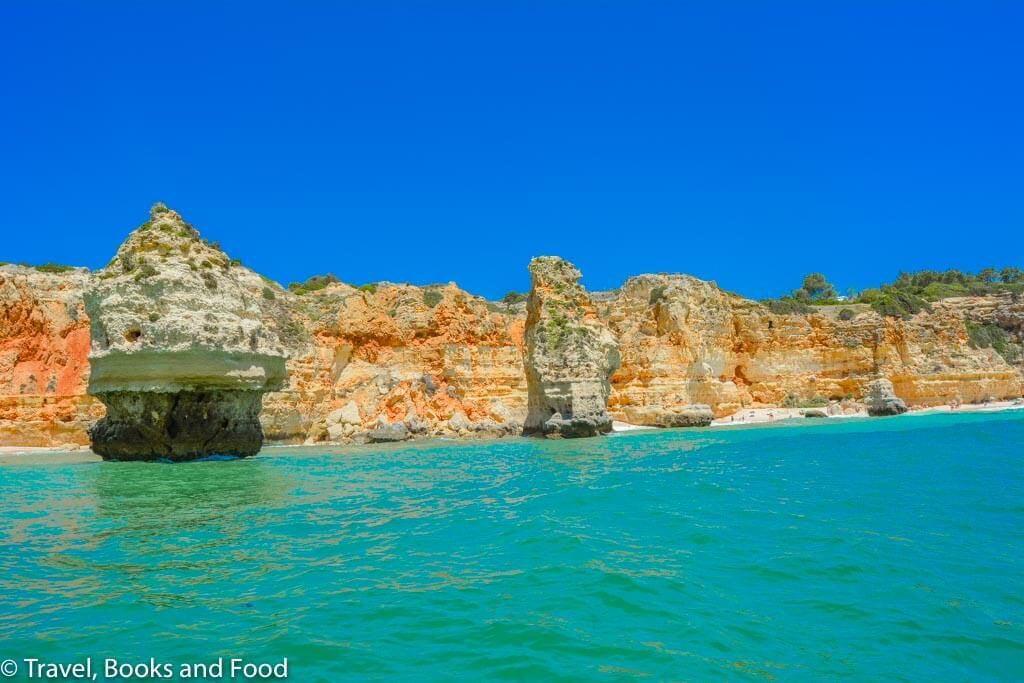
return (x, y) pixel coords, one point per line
(892, 406)
(572, 428)
(178, 426)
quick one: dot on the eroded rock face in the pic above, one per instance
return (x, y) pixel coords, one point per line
(435, 359)
(181, 354)
(684, 341)
(881, 399)
(699, 415)
(443, 362)
(44, 341)
(570, 354)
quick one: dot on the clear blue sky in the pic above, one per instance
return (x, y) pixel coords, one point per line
(745, 142)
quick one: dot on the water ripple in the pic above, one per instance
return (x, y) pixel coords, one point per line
(869, 550)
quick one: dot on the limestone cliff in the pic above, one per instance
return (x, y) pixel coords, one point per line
(398, 361)
(44, 341)
(570, 354)
(180, 356)
(685, 341)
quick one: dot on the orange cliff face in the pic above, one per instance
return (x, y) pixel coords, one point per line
(440, 362)
(684, 341)
(434, 359)
(44, 344)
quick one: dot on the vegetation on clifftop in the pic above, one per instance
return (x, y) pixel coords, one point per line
(313, 284)
(44, 267)
(910, 293)
(318, 282)
(513, 297)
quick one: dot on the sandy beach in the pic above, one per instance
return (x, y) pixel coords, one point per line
(747, 416)
(767, 415)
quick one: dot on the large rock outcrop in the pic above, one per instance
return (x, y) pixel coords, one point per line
(881, 399)
(435, 361)
(685, 341)
(570, 354)
(44, 342)
(181, 356)
(402, 361)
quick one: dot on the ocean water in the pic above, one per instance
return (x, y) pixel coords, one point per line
(888, 549)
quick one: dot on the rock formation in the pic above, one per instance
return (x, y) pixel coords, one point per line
(881, 399)
(397, 361)
(684, 341)
(436, 360)
(180, 356)
(697, 415)
(44, 341)
(570, 354)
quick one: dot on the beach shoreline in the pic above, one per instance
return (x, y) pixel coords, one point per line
(745, 417)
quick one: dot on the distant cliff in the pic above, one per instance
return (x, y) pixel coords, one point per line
(397, 361)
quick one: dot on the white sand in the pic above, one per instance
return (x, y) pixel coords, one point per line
(627, 427)
(990, 407)
(766, 415)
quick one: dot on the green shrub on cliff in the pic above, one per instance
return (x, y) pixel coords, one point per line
(556, 328)
(369, 287)
(787, 306)
(792, 401)
(513, 297)
(896, 303)
(313, 284)
(432, 298)
(657, 294)
(990, 336)
(145, 270)
(44, 267)
(846, 314)
(269, 294)
(53, 268)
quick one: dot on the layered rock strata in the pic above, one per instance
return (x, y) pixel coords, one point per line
(398, 361)
(684, 341)
(394, 361)
(570, 354)
(44, 341)
(180, 353)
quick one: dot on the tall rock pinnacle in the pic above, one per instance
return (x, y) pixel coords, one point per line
(180, 355)
(570, 355)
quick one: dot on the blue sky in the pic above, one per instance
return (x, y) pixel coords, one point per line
(744, 142)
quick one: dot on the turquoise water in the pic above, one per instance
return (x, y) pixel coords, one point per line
(889, 549)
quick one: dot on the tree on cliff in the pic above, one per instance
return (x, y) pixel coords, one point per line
(815, 288)
(988, 275)
(1011, 275)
